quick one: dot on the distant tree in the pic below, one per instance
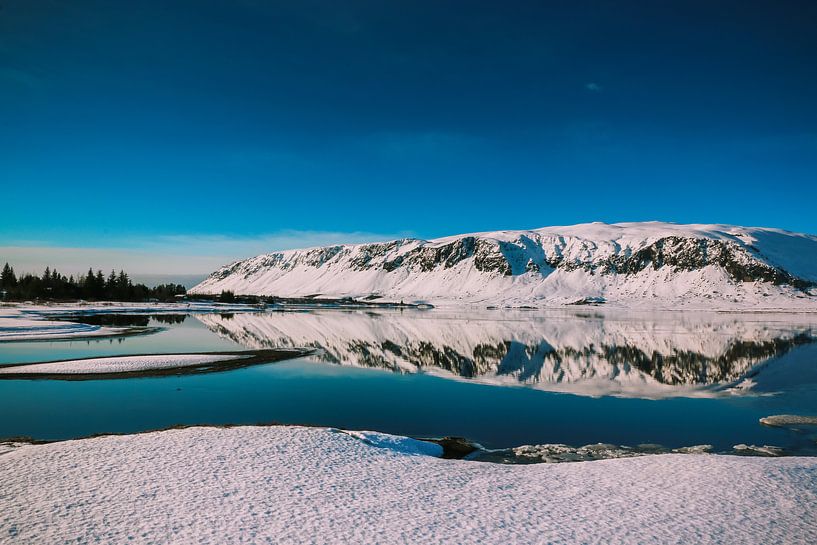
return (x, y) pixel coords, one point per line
(99, 286)
(227, 297)
(8, 280)
(123, 290)
(110, 284)
(89, 285)
(93, 286)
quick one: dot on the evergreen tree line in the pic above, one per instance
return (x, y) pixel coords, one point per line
(90, 286)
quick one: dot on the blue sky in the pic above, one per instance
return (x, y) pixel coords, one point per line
(216, 130)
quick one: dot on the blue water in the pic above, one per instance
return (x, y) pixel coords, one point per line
(314, 392)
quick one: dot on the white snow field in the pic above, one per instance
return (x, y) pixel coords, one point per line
(650, 264)
(316, 485)
(117, 364)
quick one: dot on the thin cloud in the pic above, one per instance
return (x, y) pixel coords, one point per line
(173, 254)
(593, 87)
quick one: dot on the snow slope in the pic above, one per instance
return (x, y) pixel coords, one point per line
(633, 264)
(311, 485)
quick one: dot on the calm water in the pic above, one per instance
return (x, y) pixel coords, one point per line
(502, 379)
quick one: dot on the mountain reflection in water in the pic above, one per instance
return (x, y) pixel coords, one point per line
(647, 355)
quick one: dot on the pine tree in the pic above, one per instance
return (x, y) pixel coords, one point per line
(8, 279)
(99, 284)
(92, 285)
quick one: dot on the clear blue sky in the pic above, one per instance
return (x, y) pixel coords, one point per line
(127, 123)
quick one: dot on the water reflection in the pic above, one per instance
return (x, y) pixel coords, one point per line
(601, 353)
(123, 320)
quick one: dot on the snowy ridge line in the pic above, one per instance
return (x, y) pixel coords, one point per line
(297, 485)
(631, 264)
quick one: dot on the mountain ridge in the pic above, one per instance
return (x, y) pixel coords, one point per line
(642, 264)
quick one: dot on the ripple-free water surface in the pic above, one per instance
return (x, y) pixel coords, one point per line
(502, 379)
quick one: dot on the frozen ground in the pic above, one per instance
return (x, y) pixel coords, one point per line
(117, 364)
(314, 485)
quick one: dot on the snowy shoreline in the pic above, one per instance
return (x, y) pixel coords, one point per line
(117, 364)
(295, 484)
(142, 365)
(19, 327)
(21, 322)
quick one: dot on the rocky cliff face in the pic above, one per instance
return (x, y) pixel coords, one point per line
(551, 265)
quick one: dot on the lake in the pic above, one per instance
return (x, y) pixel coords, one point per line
(500, 378)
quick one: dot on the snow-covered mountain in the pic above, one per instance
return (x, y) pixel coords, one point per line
(633, 264)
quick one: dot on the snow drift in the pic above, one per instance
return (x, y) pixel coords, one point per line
(313, 485)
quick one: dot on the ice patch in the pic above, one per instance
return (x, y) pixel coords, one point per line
(765, 450)
(397, 443)
(785, 420)
(559, 453)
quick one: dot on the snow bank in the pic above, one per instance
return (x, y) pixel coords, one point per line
(297, 485)
(117, 364)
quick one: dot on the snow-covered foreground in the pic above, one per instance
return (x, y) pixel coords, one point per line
(117, 364)
(311, 485)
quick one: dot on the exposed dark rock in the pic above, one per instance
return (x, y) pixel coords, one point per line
(527, 255)
(454, 448)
